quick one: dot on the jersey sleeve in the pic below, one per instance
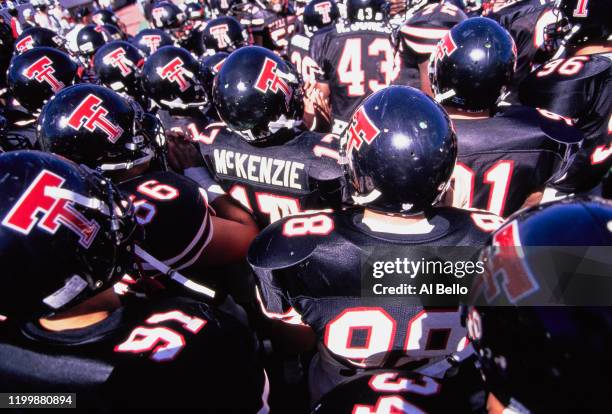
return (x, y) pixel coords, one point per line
(175, 215)
(272, 269)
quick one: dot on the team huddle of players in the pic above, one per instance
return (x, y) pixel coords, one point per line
(185, 212)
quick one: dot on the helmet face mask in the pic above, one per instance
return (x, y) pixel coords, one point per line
(579, 23)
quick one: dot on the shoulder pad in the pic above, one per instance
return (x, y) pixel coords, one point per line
(291, 240)
(566, 86)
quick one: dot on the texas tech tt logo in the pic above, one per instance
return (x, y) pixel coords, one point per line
(91, 115)
(361, 129)
(152, 42)
(24, 44)
(26, 213)
(117, 59)
(219, 32)
(445, 47)
(324, 9)
(174, 71)
(269, 79)
(42, 70)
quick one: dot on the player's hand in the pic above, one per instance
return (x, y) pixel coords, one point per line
(182, 153)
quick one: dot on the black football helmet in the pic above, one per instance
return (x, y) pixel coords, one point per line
(39, 73)
(533, 356)
(103, 16)
(95, 126)
(167, 16)
(66, 234)
(473, 64)
(582, 21)
(319, 14)
(37, 36)
(223, 34)
(118, 65)
(257, 93)
(222, 7)
(209, 67)
(194, 11)
(149, 40)
(91, 38)
(400, 150)
(113, 32)
(367, 10)
(170, 78)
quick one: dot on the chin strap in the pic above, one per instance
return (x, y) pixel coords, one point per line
(173, 274)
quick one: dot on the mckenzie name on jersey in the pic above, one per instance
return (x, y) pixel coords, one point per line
(504, 159)
(275, 180)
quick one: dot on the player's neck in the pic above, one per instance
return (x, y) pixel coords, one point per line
(455, 113)
(593, 50)
(85, 314)
(384, 223)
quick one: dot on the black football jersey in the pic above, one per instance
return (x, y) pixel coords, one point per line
(503, 159)
(525, 21)
(273, 181)
(298, 50)
(165, 354)
(419, 35)
(315, 272)
(578, 88)
(275, 29)
(356, 60)
(405, 392)
(174, 212)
